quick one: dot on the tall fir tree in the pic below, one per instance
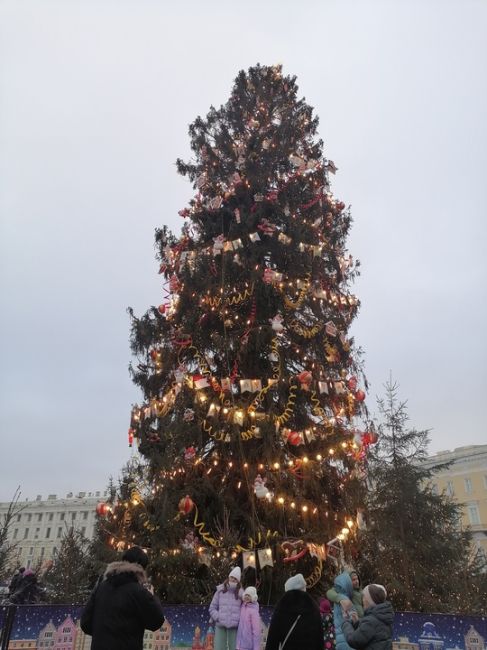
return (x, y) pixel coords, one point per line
(414, 544)
(251, 382)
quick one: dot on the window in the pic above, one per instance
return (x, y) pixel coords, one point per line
(51, 516)
(39, 517)
(468, 485)
(26, 533)
(73, 516)
(85, 515)
(16, 531)
(59, 532)
(473, 514)
(449, 489)
(48, 533)
(42, 551)
(19, 516)
(29, 517)
(31, 550)
(36, 534)
(83, 530)
(61, 516)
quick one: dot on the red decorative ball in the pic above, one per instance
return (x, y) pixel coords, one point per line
(360, 396)
(294, 438)
(352, 384)
(185, 505)
(161, 309)
(102, 509)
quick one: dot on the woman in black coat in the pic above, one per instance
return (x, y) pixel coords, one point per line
(121, 607)
(374, 630)
(296, 621)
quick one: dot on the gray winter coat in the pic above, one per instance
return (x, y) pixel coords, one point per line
(373, 631)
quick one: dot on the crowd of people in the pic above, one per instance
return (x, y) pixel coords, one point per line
(348, 618)
(123, 605)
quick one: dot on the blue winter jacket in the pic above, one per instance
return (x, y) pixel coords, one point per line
(343, 586)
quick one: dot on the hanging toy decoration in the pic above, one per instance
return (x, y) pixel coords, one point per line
(360, 396)
(185, 505)
(260, 490)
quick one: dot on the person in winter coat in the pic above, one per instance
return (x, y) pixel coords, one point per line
(249, 633)
(225, 610)
(121, 606)
(16, 578)
(374, 630)
(329, 640)
(355, 602)
(27, 590)
(344, 589)
(296, 621)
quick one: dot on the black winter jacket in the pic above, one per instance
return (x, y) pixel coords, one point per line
(120, 609)
(373, 631)
(308, 632)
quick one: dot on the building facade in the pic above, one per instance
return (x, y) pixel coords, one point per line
(465, 481)
(37, 530)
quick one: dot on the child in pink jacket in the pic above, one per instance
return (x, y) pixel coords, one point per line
(249, 633)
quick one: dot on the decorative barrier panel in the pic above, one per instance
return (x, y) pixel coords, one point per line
(56, 627)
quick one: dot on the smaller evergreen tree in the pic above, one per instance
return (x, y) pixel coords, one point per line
(413, 543)
(67, 581)
(7, 547)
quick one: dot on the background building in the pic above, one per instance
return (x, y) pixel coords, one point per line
(465, 480)
(38, 529)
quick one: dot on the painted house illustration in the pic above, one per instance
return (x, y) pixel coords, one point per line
(160, 639)
(430, 639)
(473, 640)
(404, 643)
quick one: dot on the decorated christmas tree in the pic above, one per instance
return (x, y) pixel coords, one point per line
(252, 386)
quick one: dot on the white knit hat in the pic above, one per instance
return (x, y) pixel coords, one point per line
(235, 573)
(252, 592)
(295, 582)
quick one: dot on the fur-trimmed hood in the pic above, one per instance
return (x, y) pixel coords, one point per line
(119, 573)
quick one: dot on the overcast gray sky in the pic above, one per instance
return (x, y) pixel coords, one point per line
(96, 98)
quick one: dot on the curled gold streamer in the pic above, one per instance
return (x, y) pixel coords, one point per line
(315, 575)
(290, 304)
(289, 409)
(200, 526)
(317, 408)
(305, 332)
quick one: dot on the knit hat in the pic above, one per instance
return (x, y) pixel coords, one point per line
(325, 606)
(252, 592)
(235, 573)
(376, 593)
(295, 582)
(136, 555)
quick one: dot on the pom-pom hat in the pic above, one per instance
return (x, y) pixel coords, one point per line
(235, 573)
(295, 582)
(252, 592)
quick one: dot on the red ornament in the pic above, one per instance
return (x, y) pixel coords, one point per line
(294, 438)
(174, 284)
(131, 434)
(352, 384)
(161, 309)
(102, 509)
(360, 396)
(185, 505)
